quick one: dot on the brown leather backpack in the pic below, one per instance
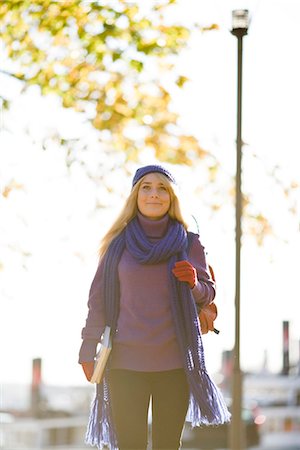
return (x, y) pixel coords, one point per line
(208, 314)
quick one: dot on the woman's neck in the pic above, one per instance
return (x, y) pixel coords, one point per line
(154, 228)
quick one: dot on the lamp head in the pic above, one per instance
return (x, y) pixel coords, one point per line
(240, 22)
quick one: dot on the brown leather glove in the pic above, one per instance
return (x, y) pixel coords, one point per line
(88, 368)
(184, 271)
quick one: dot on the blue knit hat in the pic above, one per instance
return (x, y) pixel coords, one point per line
(142, 171)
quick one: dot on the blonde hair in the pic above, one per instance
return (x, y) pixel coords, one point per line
(130, 210)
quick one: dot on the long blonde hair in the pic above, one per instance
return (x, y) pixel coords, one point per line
(130, 209)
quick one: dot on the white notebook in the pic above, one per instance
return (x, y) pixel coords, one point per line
(102, 356)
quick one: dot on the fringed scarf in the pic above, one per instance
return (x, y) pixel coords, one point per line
(207, 406)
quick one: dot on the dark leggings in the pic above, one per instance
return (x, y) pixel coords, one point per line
(130, 396)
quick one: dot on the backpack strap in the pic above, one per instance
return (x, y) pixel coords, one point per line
(190, 240)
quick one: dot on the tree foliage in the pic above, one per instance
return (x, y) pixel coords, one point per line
(112, 60)
(115, 62)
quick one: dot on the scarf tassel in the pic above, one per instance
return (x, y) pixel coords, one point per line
(207, 405)
(100, 430)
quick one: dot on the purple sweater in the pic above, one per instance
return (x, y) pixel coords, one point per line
(145, 339)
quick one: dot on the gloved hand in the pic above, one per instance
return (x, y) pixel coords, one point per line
(88, 368)
(184, 271)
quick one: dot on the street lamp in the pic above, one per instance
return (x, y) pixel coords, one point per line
(237, 442)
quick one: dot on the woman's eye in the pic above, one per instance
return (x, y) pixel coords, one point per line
(145, 187)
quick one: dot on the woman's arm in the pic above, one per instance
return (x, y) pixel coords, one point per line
(95, 320)
(204, 290)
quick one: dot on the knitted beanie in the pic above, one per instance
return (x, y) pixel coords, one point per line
(142, 171)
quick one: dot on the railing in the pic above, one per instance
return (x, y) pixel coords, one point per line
(34, 434)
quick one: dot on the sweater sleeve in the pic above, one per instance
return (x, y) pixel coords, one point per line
(95, 321)
(205, 289)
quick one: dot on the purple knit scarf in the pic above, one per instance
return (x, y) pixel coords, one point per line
(207, 406)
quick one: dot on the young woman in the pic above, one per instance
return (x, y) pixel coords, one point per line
(151, 275)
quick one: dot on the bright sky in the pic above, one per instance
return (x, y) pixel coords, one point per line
(44, 306)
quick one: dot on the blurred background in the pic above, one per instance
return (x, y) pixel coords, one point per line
(89, 91)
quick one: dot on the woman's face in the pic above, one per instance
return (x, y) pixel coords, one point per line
(153, 199)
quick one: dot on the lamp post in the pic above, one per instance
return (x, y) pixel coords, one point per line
(239, 30)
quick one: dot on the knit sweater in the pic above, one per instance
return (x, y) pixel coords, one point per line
(145, 339)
